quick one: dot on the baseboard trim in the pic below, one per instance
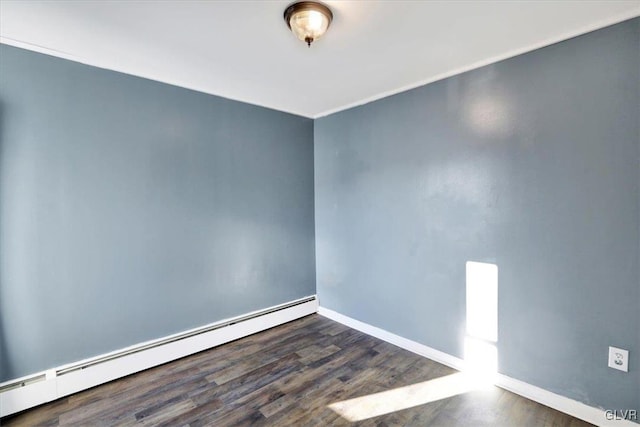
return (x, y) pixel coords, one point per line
(561, 403)
(55, 384)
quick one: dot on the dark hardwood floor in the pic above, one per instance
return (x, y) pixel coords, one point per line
(288, 376)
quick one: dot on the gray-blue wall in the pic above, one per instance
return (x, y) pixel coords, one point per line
(131, 209)
(531, 164)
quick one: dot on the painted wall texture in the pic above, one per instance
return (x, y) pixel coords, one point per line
(531, 164)
(131, 209)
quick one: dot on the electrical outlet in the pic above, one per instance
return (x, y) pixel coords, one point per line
(619, 359)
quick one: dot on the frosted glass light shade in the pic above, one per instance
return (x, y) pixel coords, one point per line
(308, 20)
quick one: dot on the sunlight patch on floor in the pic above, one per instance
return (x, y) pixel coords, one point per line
(386, 402)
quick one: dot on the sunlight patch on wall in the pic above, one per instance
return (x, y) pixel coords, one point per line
(480, 352)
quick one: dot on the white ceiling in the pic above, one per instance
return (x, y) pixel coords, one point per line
(243, 50)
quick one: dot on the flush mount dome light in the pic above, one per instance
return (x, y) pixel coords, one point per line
(308, 20)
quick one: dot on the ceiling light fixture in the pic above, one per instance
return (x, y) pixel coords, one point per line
(308, 20)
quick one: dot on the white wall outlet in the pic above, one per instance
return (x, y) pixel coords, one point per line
(619, 359)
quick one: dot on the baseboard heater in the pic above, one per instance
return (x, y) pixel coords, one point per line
(27, 392)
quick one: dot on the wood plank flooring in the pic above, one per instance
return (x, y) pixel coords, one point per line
(287, 376)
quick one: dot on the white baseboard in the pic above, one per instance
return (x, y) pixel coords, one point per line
(561, 403)
(55, 386)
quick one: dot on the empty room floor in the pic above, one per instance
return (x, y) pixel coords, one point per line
(311, 371)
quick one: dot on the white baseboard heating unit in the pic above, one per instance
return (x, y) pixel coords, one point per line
(42, 387)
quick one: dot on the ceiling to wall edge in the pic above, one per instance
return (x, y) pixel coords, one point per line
(491, 60)
(184, 85)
